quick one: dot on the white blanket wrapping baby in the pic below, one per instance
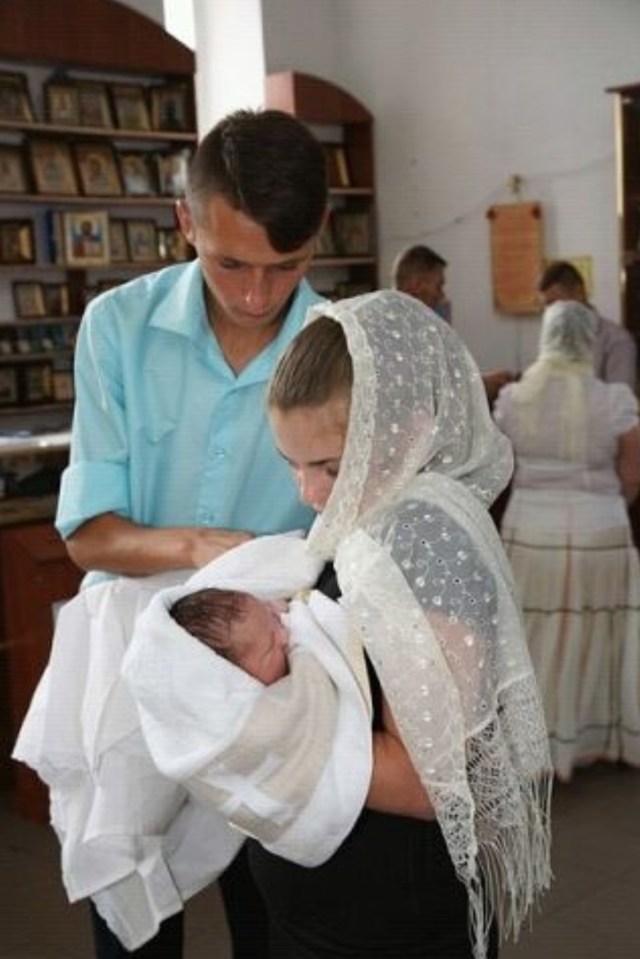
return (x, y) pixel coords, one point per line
(160, 755)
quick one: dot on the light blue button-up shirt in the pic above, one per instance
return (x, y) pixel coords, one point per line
(164, 432)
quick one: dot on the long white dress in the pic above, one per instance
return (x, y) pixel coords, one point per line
(567, 534)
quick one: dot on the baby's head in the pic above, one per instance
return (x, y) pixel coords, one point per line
(245, 630)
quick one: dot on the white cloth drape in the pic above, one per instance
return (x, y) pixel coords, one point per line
(143, 793)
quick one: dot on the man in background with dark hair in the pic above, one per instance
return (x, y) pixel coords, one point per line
(420, 272)
(172, 460)
(615, 350)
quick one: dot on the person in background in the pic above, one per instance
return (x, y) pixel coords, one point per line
(172, 461)
(420, 272)
(391, 441)
(614, 356)
(566, 531)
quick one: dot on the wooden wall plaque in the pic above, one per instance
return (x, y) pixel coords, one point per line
(516, 257)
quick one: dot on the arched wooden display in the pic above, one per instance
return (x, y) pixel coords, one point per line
(89, 33)
(313, 99)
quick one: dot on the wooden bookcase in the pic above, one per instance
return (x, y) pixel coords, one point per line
(347, 259)
(103, 154)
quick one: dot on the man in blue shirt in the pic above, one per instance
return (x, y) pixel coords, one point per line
(172, 460)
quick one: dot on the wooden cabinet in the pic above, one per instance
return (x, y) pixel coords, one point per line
(346, 262)
(97, 122)
(35, 573)
(627, 124)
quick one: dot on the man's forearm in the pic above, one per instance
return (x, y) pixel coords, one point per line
(116, 545)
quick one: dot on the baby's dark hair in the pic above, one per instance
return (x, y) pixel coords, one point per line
(208, 614)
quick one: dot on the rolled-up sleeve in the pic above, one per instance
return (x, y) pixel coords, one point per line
(88, 489)
(96, 480)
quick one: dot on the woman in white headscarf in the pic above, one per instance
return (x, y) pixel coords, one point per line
(566, 531)
(381, 413)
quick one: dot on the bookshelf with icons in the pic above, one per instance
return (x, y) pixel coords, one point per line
(96, 129)
(346, 261)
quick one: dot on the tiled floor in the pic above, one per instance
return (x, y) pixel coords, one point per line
(592, 912)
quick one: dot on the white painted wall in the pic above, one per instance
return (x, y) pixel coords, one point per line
(149, 8)
(465, 93)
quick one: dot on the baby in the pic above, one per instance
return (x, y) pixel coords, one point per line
(247, 631)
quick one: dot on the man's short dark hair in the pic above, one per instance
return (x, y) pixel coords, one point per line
(415, 261)
(269, 166)
(560, 273)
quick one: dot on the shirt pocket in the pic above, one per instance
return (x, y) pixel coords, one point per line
(161, 405)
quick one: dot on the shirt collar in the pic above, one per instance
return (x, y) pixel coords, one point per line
(182, 309)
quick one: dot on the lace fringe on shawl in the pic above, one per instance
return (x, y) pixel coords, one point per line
(469, 713)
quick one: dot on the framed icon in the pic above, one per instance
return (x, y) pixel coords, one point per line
(337, 168)
(352, 232)
(15, 102)
(8, 386)
(172, 245)
(57, 299)
(62, 385)
(172, 107)
(52, 167)
(98, 169)
(118, 245)
(37, 382)
(61, 102)
(17, 241)
(130, 106)
(172, 171)
(142, 239)
(28, 299)
(86, 238)
(93, 104)
(137, 173)
(13, 175)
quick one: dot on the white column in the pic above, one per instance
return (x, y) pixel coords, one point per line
(230, 59)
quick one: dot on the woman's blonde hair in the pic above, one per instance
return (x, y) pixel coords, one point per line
(315, 368)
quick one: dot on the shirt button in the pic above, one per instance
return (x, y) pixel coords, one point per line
(220, 453)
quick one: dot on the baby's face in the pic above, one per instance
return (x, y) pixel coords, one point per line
(261, 640)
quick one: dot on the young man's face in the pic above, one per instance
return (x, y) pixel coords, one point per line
(250, 282)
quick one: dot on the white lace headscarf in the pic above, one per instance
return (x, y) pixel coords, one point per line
(428, 588)
(565, 356)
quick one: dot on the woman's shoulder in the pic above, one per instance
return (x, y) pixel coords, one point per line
(437, 555)
(418, 525)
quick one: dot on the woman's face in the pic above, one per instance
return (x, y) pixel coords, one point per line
(311, 440)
